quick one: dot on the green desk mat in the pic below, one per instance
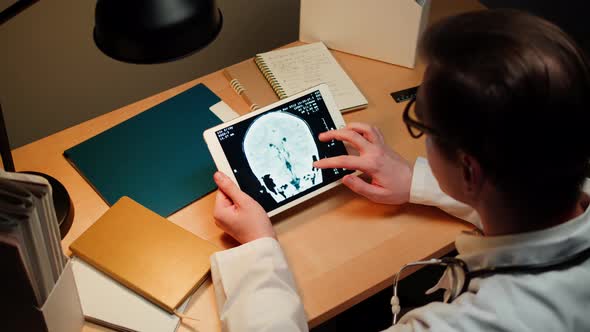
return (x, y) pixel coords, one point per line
(158, 158)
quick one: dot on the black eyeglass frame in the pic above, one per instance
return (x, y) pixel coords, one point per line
(411, 123)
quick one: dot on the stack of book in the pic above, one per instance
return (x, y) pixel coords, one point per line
(132, 270)
(35, 279)
(136, 271)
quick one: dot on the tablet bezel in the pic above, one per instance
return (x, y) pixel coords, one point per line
(223, 165)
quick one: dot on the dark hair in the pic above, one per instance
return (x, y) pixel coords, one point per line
(512, 90)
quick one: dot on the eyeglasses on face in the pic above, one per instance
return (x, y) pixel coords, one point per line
(415, 127)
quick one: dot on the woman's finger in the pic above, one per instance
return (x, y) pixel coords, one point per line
(346, 135)
(356, 163)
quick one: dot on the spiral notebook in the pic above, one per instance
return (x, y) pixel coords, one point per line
(291, 70)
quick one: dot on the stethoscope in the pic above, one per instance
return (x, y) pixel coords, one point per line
(460, 275)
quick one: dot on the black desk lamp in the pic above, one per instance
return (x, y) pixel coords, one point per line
(155, 31)
(135, 31)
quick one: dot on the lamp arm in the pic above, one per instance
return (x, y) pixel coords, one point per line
(5, 145)
(15, 9)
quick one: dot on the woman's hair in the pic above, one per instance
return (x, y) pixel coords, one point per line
(512, 90)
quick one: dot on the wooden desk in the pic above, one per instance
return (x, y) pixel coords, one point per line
(341, 247)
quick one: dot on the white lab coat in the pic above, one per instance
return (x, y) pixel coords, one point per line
(255, 290)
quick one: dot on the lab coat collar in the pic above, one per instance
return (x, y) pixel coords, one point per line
(537, 247)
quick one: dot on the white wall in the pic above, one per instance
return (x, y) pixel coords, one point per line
(52, 76)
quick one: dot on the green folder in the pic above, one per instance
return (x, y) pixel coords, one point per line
(158, 158)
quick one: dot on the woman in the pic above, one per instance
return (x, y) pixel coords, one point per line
(505, 106)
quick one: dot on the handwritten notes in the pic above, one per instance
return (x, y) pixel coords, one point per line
(298, 68)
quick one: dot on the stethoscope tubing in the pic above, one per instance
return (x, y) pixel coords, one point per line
(555, 265)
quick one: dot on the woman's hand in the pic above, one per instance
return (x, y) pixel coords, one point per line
(238, 214)
(391, 175)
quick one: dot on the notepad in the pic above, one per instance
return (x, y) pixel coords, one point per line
(146, 253)
(292, 70)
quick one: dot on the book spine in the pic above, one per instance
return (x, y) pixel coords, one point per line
(240, 90)
(270, 77)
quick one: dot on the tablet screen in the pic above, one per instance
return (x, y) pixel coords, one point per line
(272, 154)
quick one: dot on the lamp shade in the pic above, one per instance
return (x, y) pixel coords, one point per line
(155, 31)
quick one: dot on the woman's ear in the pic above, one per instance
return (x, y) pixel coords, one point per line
(472, 174)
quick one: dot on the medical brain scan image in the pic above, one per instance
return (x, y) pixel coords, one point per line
(280, 150)
(272, 154)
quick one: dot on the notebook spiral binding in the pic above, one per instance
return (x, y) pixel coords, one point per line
(240, 90)
(270, 77)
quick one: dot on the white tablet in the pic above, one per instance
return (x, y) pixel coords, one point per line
(270, 152)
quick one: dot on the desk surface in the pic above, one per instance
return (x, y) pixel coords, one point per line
(341, 247)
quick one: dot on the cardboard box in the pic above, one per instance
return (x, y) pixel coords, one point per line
(385, 30)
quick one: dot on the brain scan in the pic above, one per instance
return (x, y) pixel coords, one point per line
(280, 150)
